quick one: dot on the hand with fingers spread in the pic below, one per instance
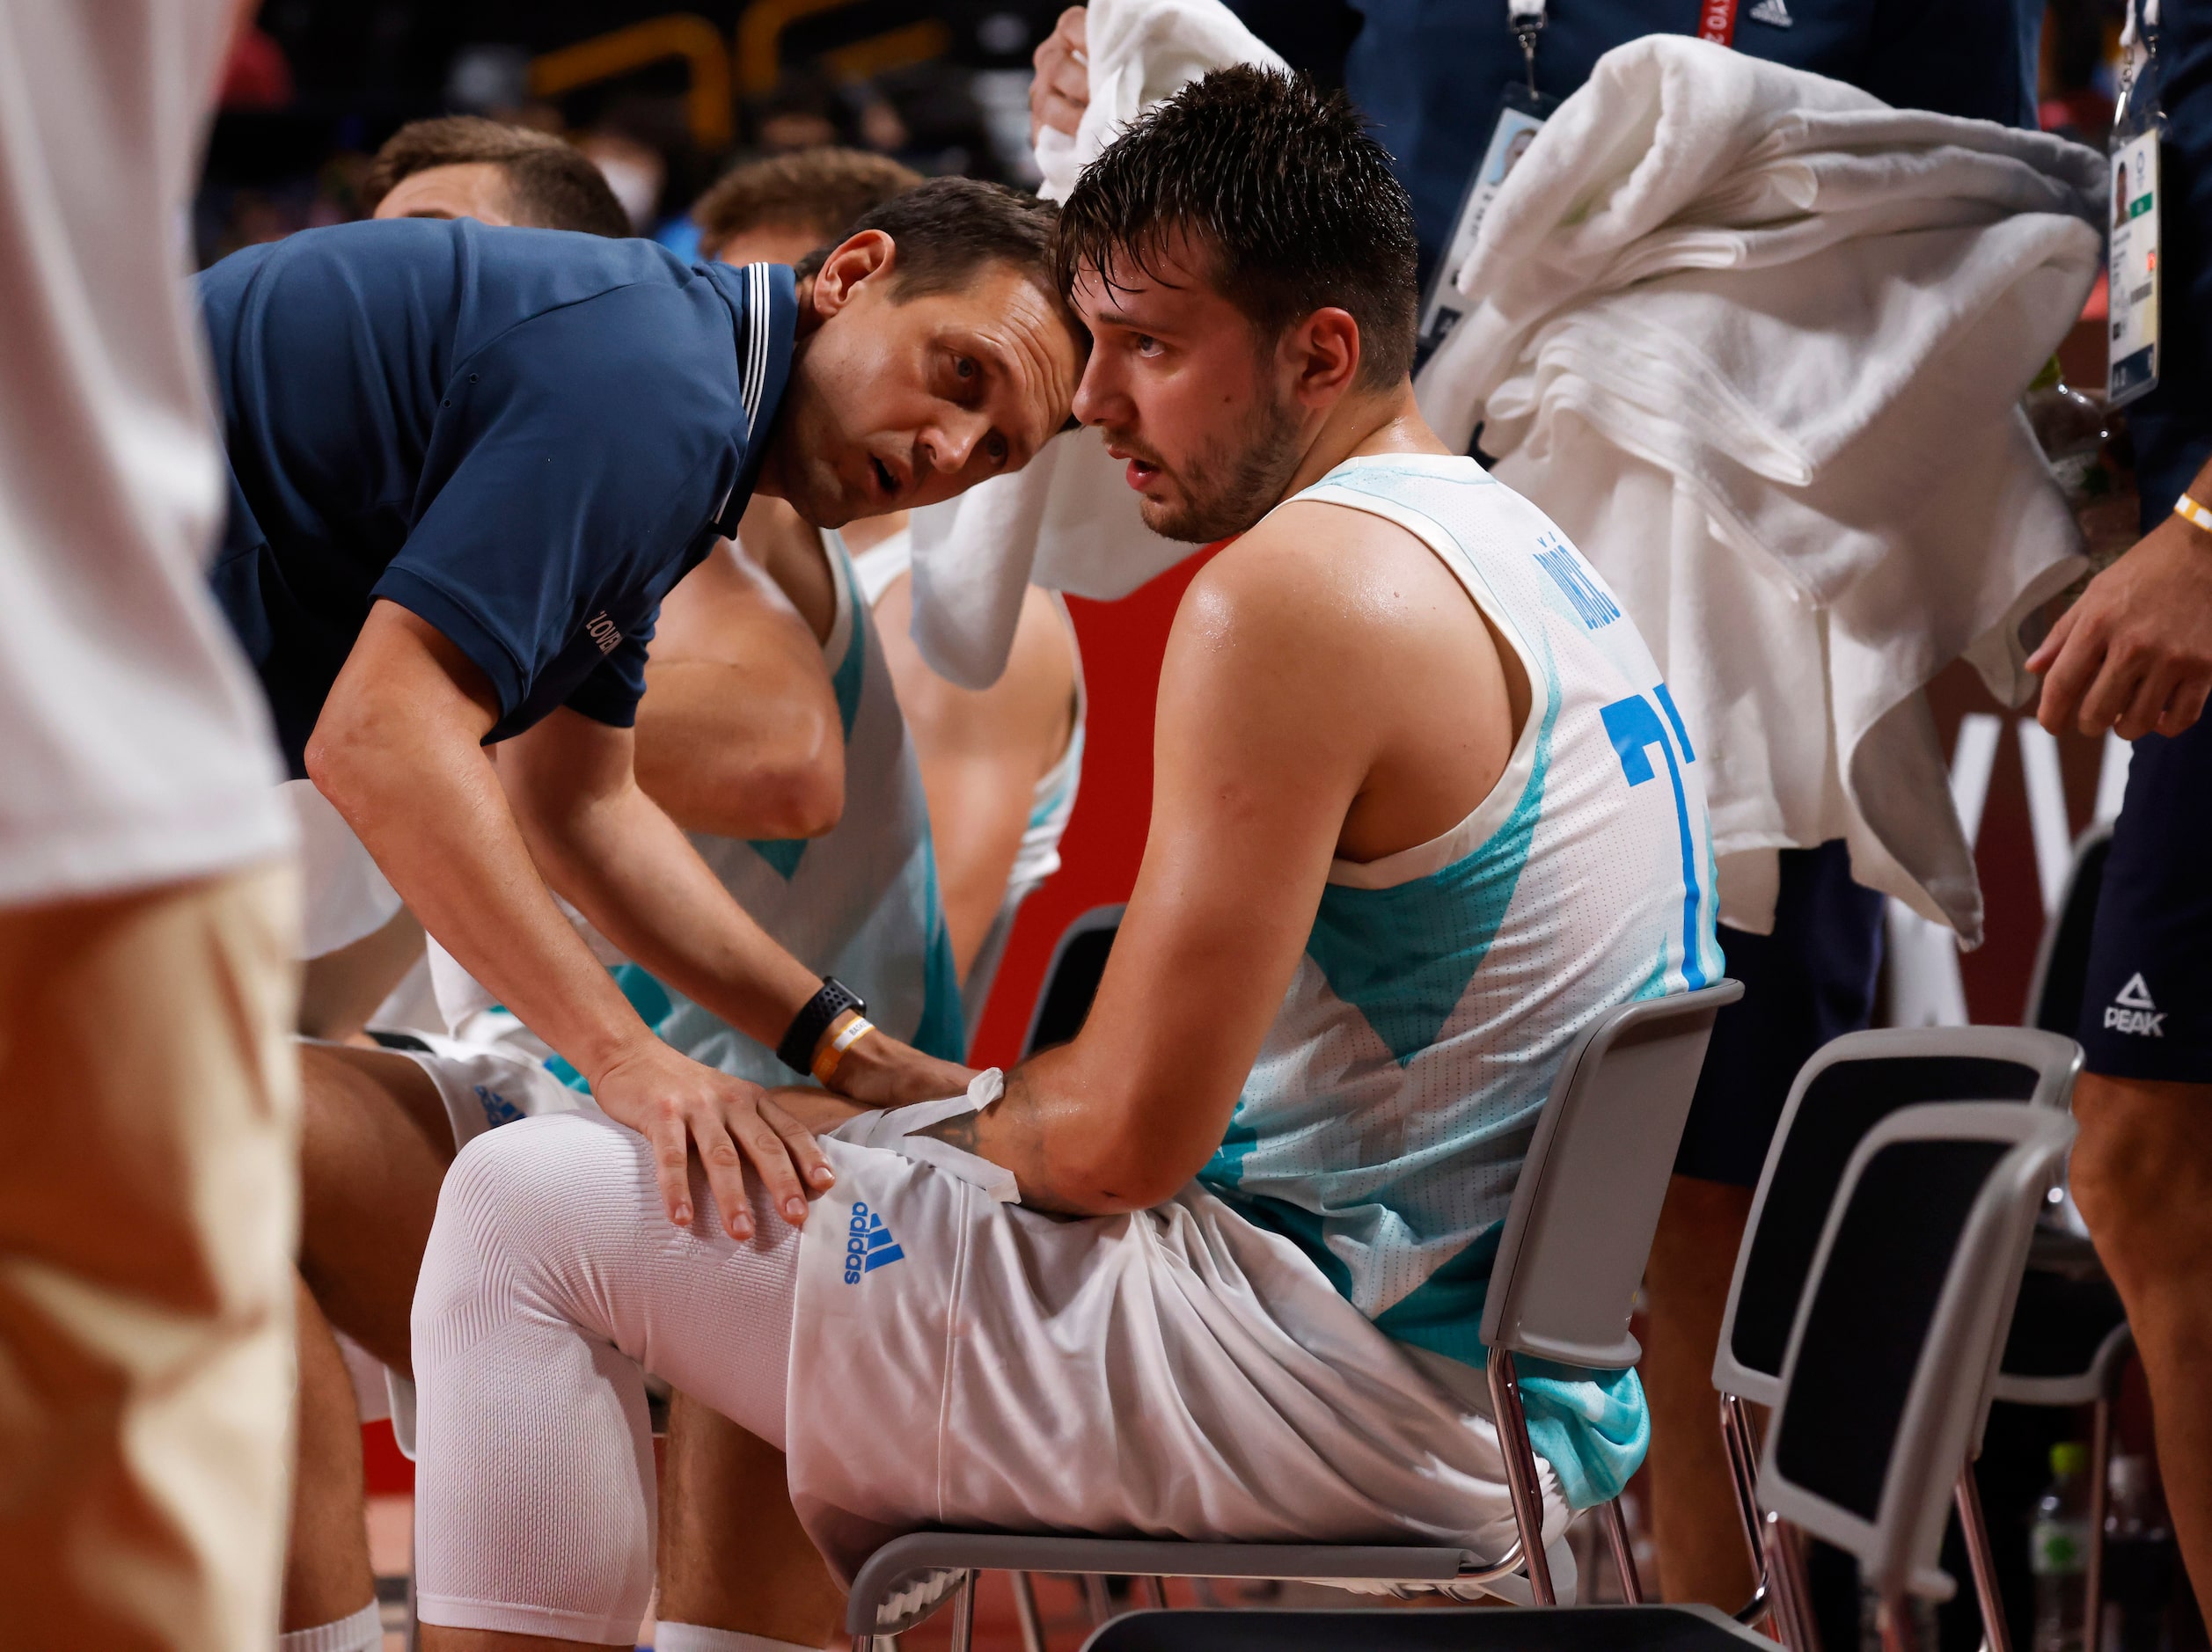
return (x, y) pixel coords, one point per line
(1061, 89)
(676, 1103)
(2135, 654)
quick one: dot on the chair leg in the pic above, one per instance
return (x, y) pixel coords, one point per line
(1899, 1633)
(1025, 1613)
(1158, 1591)
(1096, 1598)
(1617, 1530)
(1786, 1562)
(1522, 1479)
(964, 1615)
(2100, 1451)
(1736, 1433)
(1997, 1636)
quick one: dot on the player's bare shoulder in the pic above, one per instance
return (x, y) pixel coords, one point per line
(1336, 580)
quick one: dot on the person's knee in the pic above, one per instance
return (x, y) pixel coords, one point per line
(2142, 1173)
(511, 1213)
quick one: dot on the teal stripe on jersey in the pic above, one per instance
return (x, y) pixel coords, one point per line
(784, 853)
(1402, 956)
(943, 1032)
(1589, 1425)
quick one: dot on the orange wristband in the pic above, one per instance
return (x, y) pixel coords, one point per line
(2193, 513)
(832, 1051)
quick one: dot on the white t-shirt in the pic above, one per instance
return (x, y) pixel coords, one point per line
(134, 742)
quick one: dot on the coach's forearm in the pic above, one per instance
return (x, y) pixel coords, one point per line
(629, 868)
(424, 800)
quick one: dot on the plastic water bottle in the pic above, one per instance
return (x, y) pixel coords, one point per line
(2058, 1552)
(2140, 1562)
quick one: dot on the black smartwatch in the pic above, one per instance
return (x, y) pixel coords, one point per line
(796, 1051)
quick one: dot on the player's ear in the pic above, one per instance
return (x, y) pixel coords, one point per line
(857, 259)
(1322, 354)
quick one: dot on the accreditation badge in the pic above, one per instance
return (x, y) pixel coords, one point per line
(1521, 114)
(2133, 357)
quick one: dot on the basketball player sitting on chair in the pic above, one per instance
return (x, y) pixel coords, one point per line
(1214, 1270)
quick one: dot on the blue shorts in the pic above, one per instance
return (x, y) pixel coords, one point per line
(1810, 981)
(2147, 998)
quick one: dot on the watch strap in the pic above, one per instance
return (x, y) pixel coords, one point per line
(796, 1051)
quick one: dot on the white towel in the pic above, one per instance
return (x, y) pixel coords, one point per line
(1068, 520)
(1756, 342)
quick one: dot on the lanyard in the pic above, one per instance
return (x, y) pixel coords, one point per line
(1525, 20)
(1715, 22)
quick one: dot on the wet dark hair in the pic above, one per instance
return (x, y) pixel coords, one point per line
(1280, 185)
(948, 230)
(552, 185)
(819, 190)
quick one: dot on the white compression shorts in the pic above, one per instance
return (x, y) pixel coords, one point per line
(925, 1354)
(552, 1275)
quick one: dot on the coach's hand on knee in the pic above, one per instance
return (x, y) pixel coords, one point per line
(676, 1103)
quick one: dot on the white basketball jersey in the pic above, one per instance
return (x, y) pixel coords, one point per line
(859, 903)
(1385, 1120)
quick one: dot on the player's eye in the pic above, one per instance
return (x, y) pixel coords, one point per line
(1147, 344)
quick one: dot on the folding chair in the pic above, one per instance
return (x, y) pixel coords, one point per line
(1934, 1233)
(1886, 1354)
(2061, 955)
(1570, 1259)
(1844, 1091)
(1071, 979)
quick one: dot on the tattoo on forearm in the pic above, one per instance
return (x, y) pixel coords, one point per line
(961, 1131)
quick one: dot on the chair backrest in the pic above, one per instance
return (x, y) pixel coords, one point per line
(1850, 1087)
(1579, 1230)
(1900, 1328)
(2061, 957)
(1071, 979)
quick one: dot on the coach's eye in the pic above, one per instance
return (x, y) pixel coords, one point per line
(964, 365)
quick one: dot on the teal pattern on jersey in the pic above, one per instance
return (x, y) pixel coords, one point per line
(943, 1029)
(861, 903)
(1385, 1121)
(1403, 955)
(784, 853)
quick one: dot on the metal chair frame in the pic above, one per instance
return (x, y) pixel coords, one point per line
(1899, 1546)
(1777, 1561)
(1943, 1416)
(1562, 1288)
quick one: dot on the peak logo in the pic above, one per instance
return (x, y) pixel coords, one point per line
(868, 1244)
(2132, 1012)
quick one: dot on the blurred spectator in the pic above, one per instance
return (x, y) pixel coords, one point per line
(801, 199)
(804, 112)
(258, 75)
(465, 166)
(636, 171)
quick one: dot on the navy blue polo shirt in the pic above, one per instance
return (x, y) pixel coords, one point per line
(1429, 72)
(524, 436)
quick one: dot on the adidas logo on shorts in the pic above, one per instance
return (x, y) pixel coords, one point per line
(868, 1245)
(2132, 1012)
(498, 1109)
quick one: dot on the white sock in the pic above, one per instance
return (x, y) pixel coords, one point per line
(363, 1632)
(695, 1637)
